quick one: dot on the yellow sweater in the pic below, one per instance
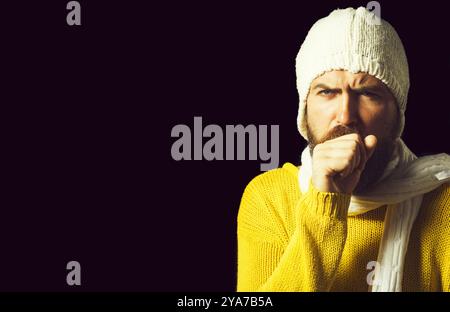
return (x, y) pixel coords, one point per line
(290, 242)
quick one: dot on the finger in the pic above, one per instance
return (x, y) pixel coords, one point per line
(345, 144)
(349, 137)
(370, 143)
(355, 144)
(362, 154)
(339, 165)
(351, 151)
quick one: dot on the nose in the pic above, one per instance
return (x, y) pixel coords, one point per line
(348, 110)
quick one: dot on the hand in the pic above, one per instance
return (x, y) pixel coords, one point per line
(337, 164)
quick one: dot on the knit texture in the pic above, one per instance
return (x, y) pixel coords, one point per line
(347, 40)
(293, 242)
(403, 183)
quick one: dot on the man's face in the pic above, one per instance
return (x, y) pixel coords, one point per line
(341, 103)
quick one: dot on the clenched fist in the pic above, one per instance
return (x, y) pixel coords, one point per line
(337, 164)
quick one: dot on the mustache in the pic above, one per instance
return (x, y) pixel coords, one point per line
(339, 131)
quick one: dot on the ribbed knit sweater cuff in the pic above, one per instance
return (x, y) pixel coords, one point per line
(326, 203)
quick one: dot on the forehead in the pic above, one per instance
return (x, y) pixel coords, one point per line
(346, 77)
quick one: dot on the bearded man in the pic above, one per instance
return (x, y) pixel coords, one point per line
(362, 212)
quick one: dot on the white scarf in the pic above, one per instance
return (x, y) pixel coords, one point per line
(401, 187)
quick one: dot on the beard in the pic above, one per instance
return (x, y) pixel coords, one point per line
(376, 164)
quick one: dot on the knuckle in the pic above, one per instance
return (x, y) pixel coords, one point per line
(347, 162)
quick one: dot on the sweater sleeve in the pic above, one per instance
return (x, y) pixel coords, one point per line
(270, 259)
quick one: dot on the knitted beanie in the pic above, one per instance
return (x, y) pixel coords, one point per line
(348, 39)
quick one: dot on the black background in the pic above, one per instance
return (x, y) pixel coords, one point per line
(87, 113)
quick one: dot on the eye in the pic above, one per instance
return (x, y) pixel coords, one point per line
(370, 95)
(327, 92)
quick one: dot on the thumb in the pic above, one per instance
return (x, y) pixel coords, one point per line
(370, 142)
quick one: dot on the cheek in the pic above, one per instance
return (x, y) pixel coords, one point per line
(320, 119)
(378, 121)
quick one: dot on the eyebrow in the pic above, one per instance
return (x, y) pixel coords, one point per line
(374, 88)
(321, 86)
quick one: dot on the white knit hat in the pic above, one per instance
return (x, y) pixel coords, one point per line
(348, 39)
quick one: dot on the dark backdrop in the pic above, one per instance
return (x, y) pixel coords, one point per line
(87, 113)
